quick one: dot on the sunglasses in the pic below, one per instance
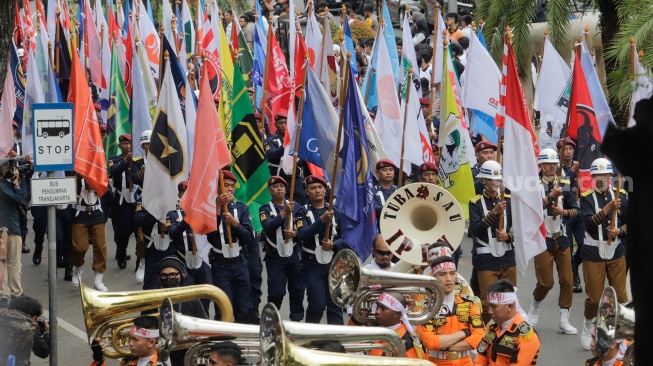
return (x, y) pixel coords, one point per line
(383, 252)
(165, 276)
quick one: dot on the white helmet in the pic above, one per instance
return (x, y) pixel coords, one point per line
(490, 170)
(145, 137)
(601, 166)
(548, 156)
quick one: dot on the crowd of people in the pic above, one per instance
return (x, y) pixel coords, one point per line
(300, 237)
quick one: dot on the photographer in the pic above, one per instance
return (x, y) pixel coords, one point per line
(11, 201)
(33, 308)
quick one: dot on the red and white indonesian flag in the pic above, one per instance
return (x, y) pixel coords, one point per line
(520, 166)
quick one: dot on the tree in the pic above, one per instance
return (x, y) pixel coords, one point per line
(7, 14)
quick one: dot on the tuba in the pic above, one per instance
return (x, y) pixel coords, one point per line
(103, 311)
(614, 322)
(629, 355)
(350, 284)
(278, 350)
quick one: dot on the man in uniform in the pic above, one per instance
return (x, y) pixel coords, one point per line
(229, 266)
(385, 171)
(559, 202)
(282, 256)
(88, 223)
(312, 220)
(601, 259)
(428, 173)
(143, 342)
(511, 340)
(493, 256)
(391, 313)
(274, 152)
(124, 204)
(137, 172)
(485, 150)
(457, 328)
(575, 227)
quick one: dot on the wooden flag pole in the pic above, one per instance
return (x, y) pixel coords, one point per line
(161, 71)
(298, 132)
(324, 27)
(343, 95)
(539, 68)
(436, 19)
(500, 150)
(225, 208)
(403, 138)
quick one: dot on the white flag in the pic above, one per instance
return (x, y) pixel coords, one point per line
(33, 94)
(644, 88)
(140, 110)
(482, 92)
(7, 114)
(437, 48)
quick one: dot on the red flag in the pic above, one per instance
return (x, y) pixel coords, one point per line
(277, 88)
(583, 125)
(94, 47)
(18, 28)
(129, 58)
(90, 161)
(210, 155)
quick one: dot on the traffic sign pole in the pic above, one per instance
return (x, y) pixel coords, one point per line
(52, 278)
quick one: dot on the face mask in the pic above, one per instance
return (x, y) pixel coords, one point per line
(170, 282)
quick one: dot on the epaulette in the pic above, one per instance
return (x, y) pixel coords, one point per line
(506, 195)
(475, 198)
(137, 158)
(469, 298)
(565, 181)
(622, 191)
(525, 331)
(587, 193)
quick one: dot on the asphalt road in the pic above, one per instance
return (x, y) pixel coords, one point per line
(73, 349)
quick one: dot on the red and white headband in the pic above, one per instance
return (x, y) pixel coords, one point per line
(144, 333)
(393, 304)
(442, 266)
(502, 297)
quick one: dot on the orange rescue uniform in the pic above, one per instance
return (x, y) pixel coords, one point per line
(464, 315)
(517, 345)
(411, 352)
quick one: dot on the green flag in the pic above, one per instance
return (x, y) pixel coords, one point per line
(118, 122)
(245, 60)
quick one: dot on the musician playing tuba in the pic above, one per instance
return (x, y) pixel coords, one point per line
(458, 327)
(143, 339)
(390, 312)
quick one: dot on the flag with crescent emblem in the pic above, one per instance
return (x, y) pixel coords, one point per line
(166, 164)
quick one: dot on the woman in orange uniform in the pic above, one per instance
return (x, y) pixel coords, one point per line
(458, 328)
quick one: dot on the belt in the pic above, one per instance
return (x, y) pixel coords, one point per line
(555, 235)
(448, 355)
(486, 250)
(88, 209)
(309, 257)
(218, 257)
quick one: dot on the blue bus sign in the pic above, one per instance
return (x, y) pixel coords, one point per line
(53, 136)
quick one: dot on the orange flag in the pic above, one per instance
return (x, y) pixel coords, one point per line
(90, 161)
(210, 155)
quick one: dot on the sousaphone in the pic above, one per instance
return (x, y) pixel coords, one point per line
(614, 322)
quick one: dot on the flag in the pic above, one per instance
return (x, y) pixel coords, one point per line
(314, 41)
(140, 108)
(480, 80)
(356, 192)
(211, 47)
(51, 28)
(118, 121)
(388, 122)
(583, 125)
(277, 88)
(327, 70)
(94, 45)
(643, 89)
(189, 30)
(191, 120)
(106, 59)
(210, 155)
(455, 163)
(481, 38)
(600, 103)
(151, 92)
(520, 165)
(166, 11)
(200, 18)
(90, 161)
(245, 59)
(47, 78)
(178, 75)
(166, 165)
(61, 48)
(350, 47)
(438, 62)
(18, 77)
(149, 39)
(249, 163)
(260, 48)
(296, 81)
(34, 94)
(7, 114)
(483, 124)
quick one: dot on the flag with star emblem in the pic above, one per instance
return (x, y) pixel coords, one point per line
(166, 163)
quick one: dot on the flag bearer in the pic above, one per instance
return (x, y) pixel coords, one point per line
(124, 202)
(385, 171)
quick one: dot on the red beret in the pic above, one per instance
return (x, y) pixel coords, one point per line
(384, 163)
(98, 106)
(280, 116)
(103, 128)
(257, 115)
(14, 124)
(485, 145)
(183, 185)
(567, 141)
(276, 179)
(435, 147)
(125, 137)
(428, 166)
(250, 90)
(227, 174)
(424, 101)
(314, 179)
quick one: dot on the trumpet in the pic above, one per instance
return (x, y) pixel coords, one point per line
(350, 284)
(103, 311)
(277, 349)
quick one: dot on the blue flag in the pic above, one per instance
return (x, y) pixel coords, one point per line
(349, 44)
(484, 124)
(356, 193)
(149, 12)
(18, 74)
(481, 38)
(178, 75)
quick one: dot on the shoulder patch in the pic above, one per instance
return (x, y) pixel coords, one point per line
(110, 163)
(587, 193)
(299, 224)
(139, 206)
(525, 331)
(263, 217)
(475, 198)
(622, 191)
(267, 147)
(137, 158)
(506, 195)
(469, 298)
(565, 181)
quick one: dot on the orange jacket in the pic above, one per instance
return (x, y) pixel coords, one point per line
(133, 361)
(464, 315)
(518, 345)
(408, 342)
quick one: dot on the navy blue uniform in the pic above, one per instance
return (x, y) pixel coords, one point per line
(123, 204)
(575, 227)
(65, 215)
(274, 152)
(145, 221)
(282, 268)
(180, 233)
(311, 231)
(588, 201)
(381, 196)
(229, 266)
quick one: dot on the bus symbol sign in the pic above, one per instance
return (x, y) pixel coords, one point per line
(53, 128)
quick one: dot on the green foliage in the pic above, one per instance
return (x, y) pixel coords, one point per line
(559, 23)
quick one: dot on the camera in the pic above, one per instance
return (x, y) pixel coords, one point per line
(41, 323)
(14, 163)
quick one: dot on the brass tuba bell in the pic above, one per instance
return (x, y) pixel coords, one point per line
(614, 322)
(350, 284)
(103, 311)
(278, 350)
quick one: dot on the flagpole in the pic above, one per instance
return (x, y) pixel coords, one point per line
(500, 147)
(265, 72)
(539, 68)
(436, 19)
(343, 95)
(403, 138)
(161, 58)
(58, 39)
(326, 24)
(298, 132)
(225, 208)
(173, 24)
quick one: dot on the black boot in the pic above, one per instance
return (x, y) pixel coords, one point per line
(25, 248)
(36, 257)
(254, 317)
(68, 276)
(577, 287)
